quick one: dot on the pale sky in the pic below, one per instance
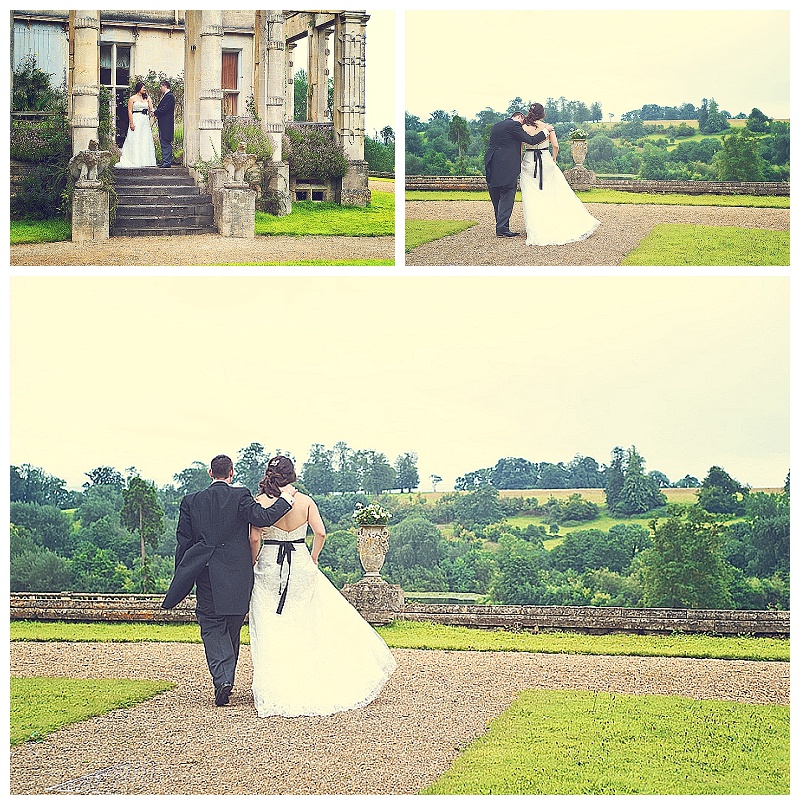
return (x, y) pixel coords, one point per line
(464, 61)
(157, 372)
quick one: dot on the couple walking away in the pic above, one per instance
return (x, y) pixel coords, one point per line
(138, 150)
(553, 214)
(313, 654)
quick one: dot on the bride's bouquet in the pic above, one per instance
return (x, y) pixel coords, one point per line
(372, 514)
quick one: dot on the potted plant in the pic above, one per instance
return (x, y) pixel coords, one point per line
(579, 146)
(372, 536)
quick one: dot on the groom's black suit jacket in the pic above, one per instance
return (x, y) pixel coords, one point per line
(503, 159)
(214, 532)
(165, 112)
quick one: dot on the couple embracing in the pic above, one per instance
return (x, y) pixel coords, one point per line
(313, 654)
(519, 150)
(138, 150)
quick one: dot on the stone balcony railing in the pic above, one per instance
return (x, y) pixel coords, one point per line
(593, 620)
(628, 185)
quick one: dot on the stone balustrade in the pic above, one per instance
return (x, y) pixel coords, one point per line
(593, 620)
(628, 185)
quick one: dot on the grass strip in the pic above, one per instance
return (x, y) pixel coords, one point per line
(409, 634)
(600, 196)
(41, 705)
(580, 743)
(49, 231)
(419, 232)
(698, 245)
(326, 218)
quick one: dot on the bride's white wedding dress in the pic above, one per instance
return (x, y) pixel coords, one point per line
(138, 150)
(318, 656)
(554, 215)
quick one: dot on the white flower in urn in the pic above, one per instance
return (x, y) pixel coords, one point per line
(372, 514)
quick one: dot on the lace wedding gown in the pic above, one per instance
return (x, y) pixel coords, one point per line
(138, 150)
(318, 656)
(554, 215)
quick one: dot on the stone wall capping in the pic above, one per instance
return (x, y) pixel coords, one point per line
(381, 603)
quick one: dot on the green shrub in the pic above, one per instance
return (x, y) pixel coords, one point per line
(32, 89)
(312, 152)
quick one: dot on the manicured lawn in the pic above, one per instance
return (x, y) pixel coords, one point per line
(419, 232)
(582, 743)
(42, 705)
(691, 245)
(312, 218)
(407, 634)
(601, 196)
(49, 231)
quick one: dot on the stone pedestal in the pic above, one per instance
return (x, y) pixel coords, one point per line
(234, 206)
(279, 199)
(355, 184)
(376, 600)
(579, 178)
(90, 219)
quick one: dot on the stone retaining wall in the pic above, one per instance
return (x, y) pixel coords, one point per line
(17, 172)
(595, 620)
(628, 185)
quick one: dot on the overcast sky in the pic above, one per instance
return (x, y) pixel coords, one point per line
(157, 372)
(464, 61)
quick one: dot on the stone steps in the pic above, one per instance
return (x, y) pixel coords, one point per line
(160, 201)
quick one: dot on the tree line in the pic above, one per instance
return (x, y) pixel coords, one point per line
(729, 549)
(449, 144)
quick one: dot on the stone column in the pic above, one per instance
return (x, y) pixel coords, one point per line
(349, 91)
(318, 52)
(84, 83)
(269, 87)
(289, 105)
(210, 122)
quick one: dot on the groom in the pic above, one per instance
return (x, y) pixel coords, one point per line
(503, 163)
(214, 553)
(165, 112)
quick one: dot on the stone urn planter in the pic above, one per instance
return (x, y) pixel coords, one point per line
(372, 537)
(373, 545)
(579, 147)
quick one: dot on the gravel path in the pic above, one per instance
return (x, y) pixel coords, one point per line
(207, 250)
(435, 704)
(622, 228)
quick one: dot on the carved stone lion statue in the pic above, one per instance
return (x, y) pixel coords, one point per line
(238, 163)
(85, 165)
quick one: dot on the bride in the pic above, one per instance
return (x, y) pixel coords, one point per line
(313, 654)
(554, 215)
(138, 150)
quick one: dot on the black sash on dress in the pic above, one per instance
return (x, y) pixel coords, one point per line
(537, 164)
(143, 111)
(285, 551)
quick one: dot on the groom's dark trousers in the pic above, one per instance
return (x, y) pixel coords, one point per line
(214, 554)
(503, 163)
(165, 113)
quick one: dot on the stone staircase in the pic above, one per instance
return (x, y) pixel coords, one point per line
(160, 201)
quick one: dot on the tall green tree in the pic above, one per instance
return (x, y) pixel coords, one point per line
(720, 493)
(615, 478)
(192, 478)
(685, 567)
(300, 84)
(639, 493)
(740, 159)
(318, 474)
(757, 121)
(30, 484)
(406, 472)
(375, 472)
(521, 572)
(142, 514)
(105, 476)
(459, 134)
(250, 466)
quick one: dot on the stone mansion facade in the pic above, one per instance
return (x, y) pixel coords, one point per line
(225, 57)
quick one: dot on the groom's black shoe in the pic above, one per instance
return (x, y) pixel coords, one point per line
(507, 234)
(222, 693)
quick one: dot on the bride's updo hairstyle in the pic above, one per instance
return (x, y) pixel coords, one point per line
(536, 112)
(280, 471)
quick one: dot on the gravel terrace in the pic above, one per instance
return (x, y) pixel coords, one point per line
(622, 227)
(207, 250)
(435, 704)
